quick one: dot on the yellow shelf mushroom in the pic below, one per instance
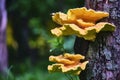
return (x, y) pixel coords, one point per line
(81, 22)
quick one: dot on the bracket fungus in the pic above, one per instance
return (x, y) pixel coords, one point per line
(67, 63)
(81, 22)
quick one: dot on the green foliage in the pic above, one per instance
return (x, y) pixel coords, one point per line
(28, 72)
(61, 44)
(35, 75)
(56, 45)
(40, 76)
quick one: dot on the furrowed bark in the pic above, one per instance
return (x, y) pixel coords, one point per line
(104, 53)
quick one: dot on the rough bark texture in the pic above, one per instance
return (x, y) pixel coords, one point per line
(104, 53)
(3, 48)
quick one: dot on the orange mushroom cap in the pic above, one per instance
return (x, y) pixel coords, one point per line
(67, 63)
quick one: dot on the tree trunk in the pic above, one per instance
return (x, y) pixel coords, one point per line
(3, 48)
(104, 53)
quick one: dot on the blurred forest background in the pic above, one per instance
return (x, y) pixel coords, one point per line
(29, 40)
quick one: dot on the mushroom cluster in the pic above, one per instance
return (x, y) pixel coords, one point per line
(67, 63)
(81, 22)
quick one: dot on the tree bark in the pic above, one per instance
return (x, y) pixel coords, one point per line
(3, 47)
(104, 53)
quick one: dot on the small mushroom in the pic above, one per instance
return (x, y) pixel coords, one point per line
(67, 63)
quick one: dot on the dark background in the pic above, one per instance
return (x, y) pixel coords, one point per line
(29, 39)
